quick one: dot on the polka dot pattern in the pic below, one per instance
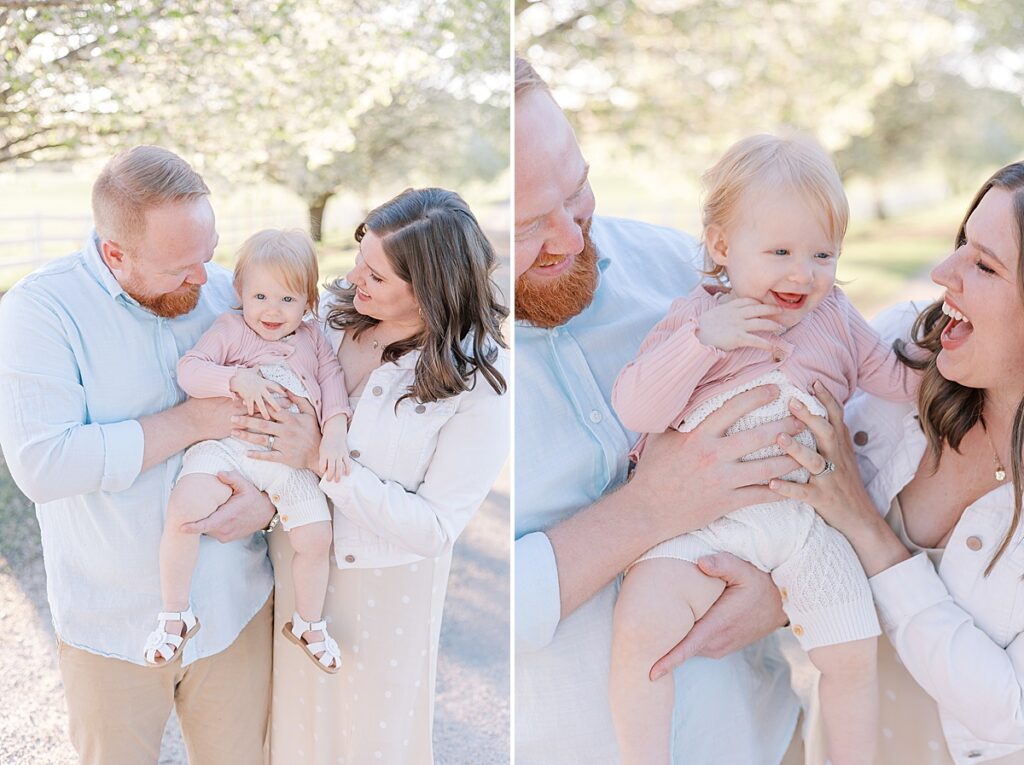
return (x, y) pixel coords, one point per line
(379, 706)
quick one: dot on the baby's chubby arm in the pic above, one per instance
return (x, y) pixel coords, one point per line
(334, 457)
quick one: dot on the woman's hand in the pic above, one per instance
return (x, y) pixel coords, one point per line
(294, 437)
(838, 496)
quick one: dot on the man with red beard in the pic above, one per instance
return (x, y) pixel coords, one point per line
(588, 289)
(92, 427)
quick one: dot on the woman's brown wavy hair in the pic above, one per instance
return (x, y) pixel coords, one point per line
(434, 243)
(947, 409)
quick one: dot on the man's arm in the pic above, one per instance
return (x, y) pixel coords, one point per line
(51, 448)
(683, 482)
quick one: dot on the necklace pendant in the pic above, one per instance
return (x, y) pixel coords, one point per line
(1000, 473)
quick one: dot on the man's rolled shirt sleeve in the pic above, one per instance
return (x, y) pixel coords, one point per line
(538, 599)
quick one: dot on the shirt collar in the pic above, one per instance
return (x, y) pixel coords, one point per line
(94, 264)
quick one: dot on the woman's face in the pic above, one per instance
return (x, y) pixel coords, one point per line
(986, 348)
(380, 292)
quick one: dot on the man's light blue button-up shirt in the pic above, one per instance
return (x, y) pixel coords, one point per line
(80, 362)
(570, 450)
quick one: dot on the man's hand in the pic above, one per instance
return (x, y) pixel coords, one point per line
(247, 511)
(748, 609)
(732, 324)
(687, 480)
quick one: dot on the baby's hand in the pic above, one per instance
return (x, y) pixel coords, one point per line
(334, 457)
(732, 324)
(256, 392)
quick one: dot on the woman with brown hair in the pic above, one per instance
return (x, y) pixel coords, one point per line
(416, 327)
(946, 563)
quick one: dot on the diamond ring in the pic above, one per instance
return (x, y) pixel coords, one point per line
(830, 467)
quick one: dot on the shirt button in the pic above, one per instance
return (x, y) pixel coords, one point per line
(420, 409)
(595, 416)
(798, 630)
(275, 498)
(974, 543)
(860, 438)
(350, 558)
(377, 390)
(354, 454)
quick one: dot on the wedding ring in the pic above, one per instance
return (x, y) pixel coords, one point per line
(270, 444)
(830, 467)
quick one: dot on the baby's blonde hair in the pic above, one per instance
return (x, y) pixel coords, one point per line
(764, 162)
(290, 252)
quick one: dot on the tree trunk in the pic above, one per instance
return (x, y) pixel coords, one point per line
(316, 216)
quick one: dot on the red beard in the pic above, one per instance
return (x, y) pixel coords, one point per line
(554, 302)
(170, 305)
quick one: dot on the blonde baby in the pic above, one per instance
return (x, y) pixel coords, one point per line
(261, 356)
(774, 217)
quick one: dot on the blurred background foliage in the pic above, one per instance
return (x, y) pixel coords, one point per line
(335, 103)
(918, 101)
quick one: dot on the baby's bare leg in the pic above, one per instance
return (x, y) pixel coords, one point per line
(848, 691)
(661, 598)
(310, 569)
(193, 498)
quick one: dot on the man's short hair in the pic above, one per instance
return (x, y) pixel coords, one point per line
(527, 79)
(137, 181)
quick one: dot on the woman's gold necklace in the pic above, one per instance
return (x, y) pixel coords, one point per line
(1000, 470)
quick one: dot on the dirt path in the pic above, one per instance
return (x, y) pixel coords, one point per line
(472, 717)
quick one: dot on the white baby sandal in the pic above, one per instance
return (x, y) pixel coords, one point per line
(161, 646)
(329, 659)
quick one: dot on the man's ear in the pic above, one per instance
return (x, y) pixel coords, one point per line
(113, 255)
(717, 245)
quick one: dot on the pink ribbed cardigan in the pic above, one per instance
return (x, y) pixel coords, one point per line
(229, 343)
(674, 372)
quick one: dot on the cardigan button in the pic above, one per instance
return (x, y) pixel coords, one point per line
(974, 543)
(354, 454)
(377, 390)
(350, 558)
(779, 356)
(860, 438)
(798, 630)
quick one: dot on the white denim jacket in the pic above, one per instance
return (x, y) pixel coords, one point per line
(958, 632)
(418, 474)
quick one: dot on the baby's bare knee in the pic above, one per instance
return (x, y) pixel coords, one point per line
(313, 539)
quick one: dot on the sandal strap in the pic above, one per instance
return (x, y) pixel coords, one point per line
(185, 616)
(300, 625)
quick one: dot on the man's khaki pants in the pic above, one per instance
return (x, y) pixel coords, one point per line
(118, 710)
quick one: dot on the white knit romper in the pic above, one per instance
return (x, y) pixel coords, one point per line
(824, 589)
(295, 493)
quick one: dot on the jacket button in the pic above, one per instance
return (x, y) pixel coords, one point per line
(860, 438)
(974, 543)
(420, 409)
(354, 454)
(377, 390)
(350, 558)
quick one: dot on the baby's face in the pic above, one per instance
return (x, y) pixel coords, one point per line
(779, 252)
(270, 308)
